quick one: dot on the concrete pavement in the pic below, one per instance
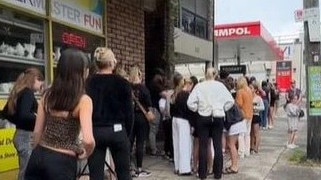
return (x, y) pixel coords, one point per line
(271, 163)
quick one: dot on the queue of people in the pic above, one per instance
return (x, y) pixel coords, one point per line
(81, 115)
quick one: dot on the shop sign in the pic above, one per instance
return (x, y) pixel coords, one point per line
(314, 90)
(37, 6)
(86, 14)
(235, 31)
(8, 153)
(283, 75)
(234, 69)
(74, 40)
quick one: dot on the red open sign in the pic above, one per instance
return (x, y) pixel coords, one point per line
(74, 40)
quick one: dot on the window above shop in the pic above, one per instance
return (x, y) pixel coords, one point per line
(194, 14)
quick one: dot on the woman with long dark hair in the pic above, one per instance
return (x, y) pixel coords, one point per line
(63, 112)
(21, 108)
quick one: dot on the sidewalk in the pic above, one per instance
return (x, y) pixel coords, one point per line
(270, 164)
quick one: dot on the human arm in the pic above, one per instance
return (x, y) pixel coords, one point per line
(25, 112)
(128, 109)
(40, 124)
(85, 117)
(193, 99)
(260, 104)
(239, 98)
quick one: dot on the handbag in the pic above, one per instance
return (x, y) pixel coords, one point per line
(149, 115)
(301, 114)
(6, 115)
(233, 114)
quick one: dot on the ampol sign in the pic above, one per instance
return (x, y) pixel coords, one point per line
(237, 30)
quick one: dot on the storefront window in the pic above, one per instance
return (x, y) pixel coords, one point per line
(194, 24)
(21, 46)
(65, 37)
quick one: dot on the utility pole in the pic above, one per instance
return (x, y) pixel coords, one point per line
(312, 62)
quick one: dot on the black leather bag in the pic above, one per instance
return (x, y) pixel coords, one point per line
(233, 115)
(5, 114)
(301, 114)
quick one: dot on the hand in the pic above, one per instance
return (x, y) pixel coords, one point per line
(82, 154)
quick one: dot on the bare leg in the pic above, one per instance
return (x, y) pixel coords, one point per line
(195, 154)
(257, 137)
(293, 137)
(271, 117)
(252, 137)
(231, 141)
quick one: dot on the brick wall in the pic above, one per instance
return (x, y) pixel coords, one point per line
(125, 31)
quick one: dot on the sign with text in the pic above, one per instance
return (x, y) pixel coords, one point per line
(86, 14)
(314, 90)
(298, 15)
(37, 6)
(8, 153)
(236, 31)
(284, 75)
(234, 69)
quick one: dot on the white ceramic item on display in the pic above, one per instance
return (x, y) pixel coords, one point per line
(39, 54)
(57, 53)
(3, 48)
(30, 48)
(20, 50)
(10, 50)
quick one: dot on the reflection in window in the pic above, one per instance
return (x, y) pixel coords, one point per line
(193, 24)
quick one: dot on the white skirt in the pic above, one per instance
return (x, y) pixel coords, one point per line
(236, 128)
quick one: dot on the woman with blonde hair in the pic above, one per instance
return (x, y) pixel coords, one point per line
(244, 99)
(182, 140)
(112, 116)
(21, 110)
(140, 130)
(208, 99)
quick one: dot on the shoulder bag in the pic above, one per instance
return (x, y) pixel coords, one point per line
(150, 116)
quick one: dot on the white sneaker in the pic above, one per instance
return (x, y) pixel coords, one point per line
(292, 146)
(143, 173)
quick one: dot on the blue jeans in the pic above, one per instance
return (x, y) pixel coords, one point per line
(264, 113)
(22, 143)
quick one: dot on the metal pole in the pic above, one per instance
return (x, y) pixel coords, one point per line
(213, 35)
(311, 50)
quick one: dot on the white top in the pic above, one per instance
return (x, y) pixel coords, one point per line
(258, 105)
(208, 98)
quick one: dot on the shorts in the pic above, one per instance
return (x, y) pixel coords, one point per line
(293, 123)
(256, 119)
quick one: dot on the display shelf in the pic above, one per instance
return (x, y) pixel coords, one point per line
(21, 60)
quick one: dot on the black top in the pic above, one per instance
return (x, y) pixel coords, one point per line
(179, 109)
(112, 101)
(26, 109)
(143, 96)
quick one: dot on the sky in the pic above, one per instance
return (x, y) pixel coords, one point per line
(277, 16)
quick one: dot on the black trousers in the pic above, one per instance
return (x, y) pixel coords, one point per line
(210, 127)
(140, 134)
(118, 144)
(47, 164)
(168, 137)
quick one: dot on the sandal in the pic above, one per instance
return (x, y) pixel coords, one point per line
(229, 170)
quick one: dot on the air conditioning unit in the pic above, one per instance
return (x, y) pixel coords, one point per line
(149, 5)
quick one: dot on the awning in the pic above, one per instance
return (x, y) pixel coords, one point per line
(250, 41)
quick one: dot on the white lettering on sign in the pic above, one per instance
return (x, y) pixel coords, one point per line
(37, 6)
(76, 15)
(232, 32)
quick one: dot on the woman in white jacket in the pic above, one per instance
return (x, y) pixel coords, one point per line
(208, 99)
